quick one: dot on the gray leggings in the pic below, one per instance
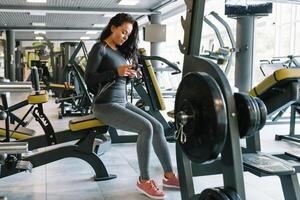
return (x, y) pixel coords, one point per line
(128, 117)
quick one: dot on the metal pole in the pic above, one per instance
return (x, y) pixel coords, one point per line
(244, 64)
(155, 46)
(245, 55)
(192, 26)
(10, 70)
(196, 27)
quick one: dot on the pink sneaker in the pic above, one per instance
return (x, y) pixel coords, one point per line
(150, 189)
(171, 182)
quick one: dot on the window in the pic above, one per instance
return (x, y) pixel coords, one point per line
(285, 13)
(298, 12)
(297, 39)
(284, 40)
(171, 51)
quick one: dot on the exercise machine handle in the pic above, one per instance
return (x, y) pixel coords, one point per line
(172, 65)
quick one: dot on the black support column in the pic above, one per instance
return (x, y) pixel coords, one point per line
(18, 57)
(10, 67)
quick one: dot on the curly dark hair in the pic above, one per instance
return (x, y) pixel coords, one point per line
(130, 48)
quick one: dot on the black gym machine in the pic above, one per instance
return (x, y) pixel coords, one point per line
(223, 54)
(151, 98)
(83, 132)
(146, 86)
(78, 101)
(210, 119)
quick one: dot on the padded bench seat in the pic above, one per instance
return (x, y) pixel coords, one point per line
(280, 75)
(80, 123)
(20, 133)
(86, 122)
(279, 90)
(42, 97)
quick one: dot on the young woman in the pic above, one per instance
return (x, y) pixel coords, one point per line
(107, 71)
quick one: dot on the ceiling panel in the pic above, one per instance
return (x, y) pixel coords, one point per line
(58, 36)
(144, 4)
(52, 20)
(68, 15)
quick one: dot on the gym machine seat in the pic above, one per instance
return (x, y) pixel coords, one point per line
(279, 90)
(19, 134)
(42, 97)
(85, 122)
(262, 164)
(276, 78)
(85, 129)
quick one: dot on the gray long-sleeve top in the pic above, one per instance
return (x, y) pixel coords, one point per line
(101, 69)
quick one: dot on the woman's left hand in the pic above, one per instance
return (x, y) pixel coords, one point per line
(132, 73)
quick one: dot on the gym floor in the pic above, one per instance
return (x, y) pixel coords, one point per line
(71, 178)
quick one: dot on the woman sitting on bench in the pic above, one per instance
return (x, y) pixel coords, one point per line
(108, 67)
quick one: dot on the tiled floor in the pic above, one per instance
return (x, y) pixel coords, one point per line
(71, 178)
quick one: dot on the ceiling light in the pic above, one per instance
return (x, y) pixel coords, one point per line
(109, 15)
(36, 1)
(84, 38)
(128, 2)
(37, 13)
(91, 32)
(99, 25)
(39, 32)
(39, 38)
(38, 24)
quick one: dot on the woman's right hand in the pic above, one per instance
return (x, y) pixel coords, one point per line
(126, 70)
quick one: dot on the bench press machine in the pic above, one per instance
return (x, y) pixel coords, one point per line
(210, 120)
(279, 91)
(36, 101)
(83, 130)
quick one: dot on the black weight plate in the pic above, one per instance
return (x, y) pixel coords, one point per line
(263, 112)
(212, 194)
(246, 114)
(230, 193)
(255, 128)
(199, 95)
